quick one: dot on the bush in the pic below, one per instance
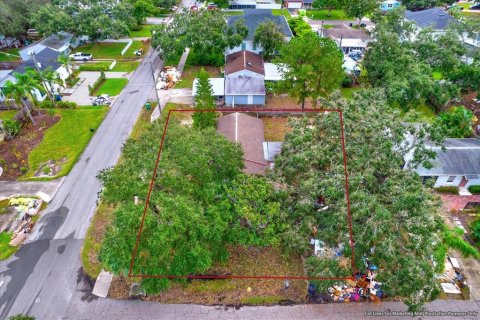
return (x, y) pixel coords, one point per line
(72, 80)
(212, 59)
(95, 66)
(12, 128)
(21, 317)
(46, 104)
(448, 189)
(474, 189)
(478, 95)
(23, 170)
(97, 84)
(66, 105)
(347, 82)
(136, 27)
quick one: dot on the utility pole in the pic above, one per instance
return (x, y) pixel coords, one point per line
(155, 84)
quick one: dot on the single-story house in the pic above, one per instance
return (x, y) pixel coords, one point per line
(347, 38)
(458, 165)
(387, 5)
(244, 63)
(244, 90)
(298, 4)
(218, 87)
(60, 42)
(252, 18)
(242, 4)
(47, 58)
(436, 18)
(248, 131)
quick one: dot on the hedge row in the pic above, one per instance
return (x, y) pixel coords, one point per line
(47, 104)
(94, 66)
(474, 189)
(97, 84)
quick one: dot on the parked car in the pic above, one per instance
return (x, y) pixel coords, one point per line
(475, 7)
(138, 52)
(103, 100)
(81, 56)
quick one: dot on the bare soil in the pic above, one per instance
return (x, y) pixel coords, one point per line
(275, 128)
(14, 153)
(252, 261)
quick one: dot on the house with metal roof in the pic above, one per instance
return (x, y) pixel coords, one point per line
(60, 42)
(252, 18)
(457, 165)
(248, 131)
(436, 18)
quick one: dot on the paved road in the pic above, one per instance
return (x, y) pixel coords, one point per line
(45, 273)
(29, 188)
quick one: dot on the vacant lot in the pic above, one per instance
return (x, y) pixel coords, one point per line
(65, 141)
(190, 73)
(112, 86)
(144, 32)
(325, 15)
(275, 128)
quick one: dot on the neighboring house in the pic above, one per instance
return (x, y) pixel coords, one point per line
(244, 90)
(60, 42)
(218, 87)
(458, 165)
(389, 5)
(47, 58)
(347, 38)
(244, 63)
(253, 4)
(252, 19)
(298, 4)
(8, 41)
(248, 131)
(436, 18)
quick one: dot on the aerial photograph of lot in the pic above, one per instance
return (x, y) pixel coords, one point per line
(240, 159)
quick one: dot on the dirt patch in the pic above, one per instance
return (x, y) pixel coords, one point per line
(284, 101)
(275, 128)
(14, 153)
(242, 261)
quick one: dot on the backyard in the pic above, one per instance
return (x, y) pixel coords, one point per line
(145, 31)
(190, 73)
(325, 15)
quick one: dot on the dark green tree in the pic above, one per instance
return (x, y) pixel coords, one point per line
(311, 67)
(456, 122)
(143, 9)
(204, 100)
(270, 37)
(328, 5)
(360, 8)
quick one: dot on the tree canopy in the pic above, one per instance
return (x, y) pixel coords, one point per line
(15, 15)
(360, 8)
(311, 67)
(204, 100)
(204, 31)
(456, 122)
(270, 37)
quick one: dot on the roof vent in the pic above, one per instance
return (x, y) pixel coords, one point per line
(249, 63)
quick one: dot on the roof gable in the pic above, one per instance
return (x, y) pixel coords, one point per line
(244, 60)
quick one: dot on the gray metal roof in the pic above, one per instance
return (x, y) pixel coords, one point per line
(244, 85)
(437, 18)
(253, 17)
(461, 157)
(46, 58)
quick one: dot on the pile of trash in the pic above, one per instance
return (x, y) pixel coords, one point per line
(362, 287)
(452, 281)
(21, 226)
(169, 76)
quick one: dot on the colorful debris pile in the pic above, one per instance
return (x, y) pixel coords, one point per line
(452, 281)
(168, 78)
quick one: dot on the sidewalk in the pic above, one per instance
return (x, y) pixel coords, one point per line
(29, 188)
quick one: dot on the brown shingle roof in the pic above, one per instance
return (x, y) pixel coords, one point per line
(340, 31)
(244, 60)
(248, 131)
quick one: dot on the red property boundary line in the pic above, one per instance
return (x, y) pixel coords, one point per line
(292, 111)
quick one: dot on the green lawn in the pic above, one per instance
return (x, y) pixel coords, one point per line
(103, 50)
(144, 32)
(134, 47)
(472, 15)
(4, 57)
(7, 114)
(463, 4)
(112, 86)
(190, 73)
(5, 249)
(66, 139)
(347, 93)
(281, 12)
(126, 66)
(234, 13)
(323, 15)
(425, 114)
(97, 66)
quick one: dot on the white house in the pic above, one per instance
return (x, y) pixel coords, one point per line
(348, 39)
(60, 43)
(387, 5)
(252, 18)
(458, 165)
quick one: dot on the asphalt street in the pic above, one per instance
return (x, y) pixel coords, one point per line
(45, 273)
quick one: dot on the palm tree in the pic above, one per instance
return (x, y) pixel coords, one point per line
(16, 93)
(64, 60)
(47, 78)
(11, 94)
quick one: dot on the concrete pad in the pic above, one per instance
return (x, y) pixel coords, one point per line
(102, 285)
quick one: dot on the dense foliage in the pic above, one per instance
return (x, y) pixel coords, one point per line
(456, 122)
(204, 31)
(15, 15)
(270, 38)
(394, 217)
(204, 100)
(200, 202)
(311, 67)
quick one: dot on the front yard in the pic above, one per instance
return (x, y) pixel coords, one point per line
(111, 50)
(325, 15)
(145, 31)
(112, 86)
(65, 141)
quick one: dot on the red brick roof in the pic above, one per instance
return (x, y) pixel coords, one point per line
(244, 60)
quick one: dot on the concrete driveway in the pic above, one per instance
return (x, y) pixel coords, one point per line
(81, 95)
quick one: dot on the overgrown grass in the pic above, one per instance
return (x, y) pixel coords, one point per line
(103, 217)
(112, 86)
(66, 139)
(125, 66)
(281, 12)
(190, 73)
(347, 93)
(144, 32)
(134, 47)
(324, 15)
(7, 114)
(6, 250)
(425, 113)
(5, 57)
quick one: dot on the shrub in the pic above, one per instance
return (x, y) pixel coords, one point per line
(21, 317)
(51, 112)
(211, 59)
(474, 189)
(94, 67)
(136, 27)
(347, 82)
(66, 105)
(72, 80)
(448, 189)
(12, 128)
(23, 170)
(14, 166)
(97, 84)
(46, 104)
